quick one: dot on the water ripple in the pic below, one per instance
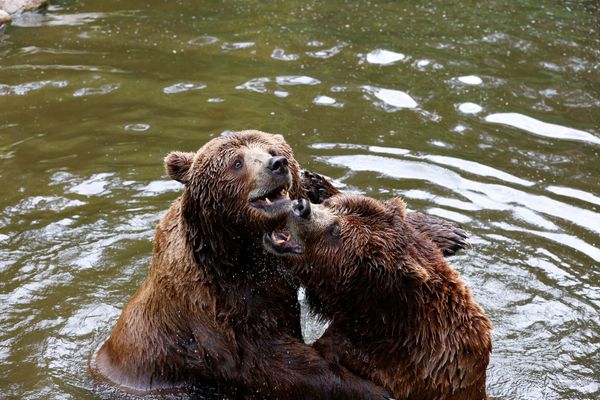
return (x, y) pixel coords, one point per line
(231, 46)
(94, 185)
(326, 101)
(327, 53)
(384, 57)
(203, 40)
(280, 54)
(485, 195)
(255, 85)
(89, 68)
(25, 88)
(575, 193)
(183, 87)
(561, 238)
(469, 108)
(296, 80)
(104, 89)
(470, 80)
(29, 20)
(391, 99)
(541, 128)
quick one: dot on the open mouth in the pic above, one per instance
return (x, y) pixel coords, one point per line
(282, 242)
(265, 200)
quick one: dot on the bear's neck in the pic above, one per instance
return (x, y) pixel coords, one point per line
(225, 252)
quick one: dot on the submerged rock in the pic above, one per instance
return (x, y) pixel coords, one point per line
(19, 6)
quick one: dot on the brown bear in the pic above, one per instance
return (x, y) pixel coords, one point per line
(400, 315)
(215, 306)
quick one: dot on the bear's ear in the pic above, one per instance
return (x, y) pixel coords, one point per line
(177, 165)
(398, 205)
(279, 137)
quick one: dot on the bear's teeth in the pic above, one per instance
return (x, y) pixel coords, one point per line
(267, 200)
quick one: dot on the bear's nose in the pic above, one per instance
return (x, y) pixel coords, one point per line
(301, 208)
(278, 164)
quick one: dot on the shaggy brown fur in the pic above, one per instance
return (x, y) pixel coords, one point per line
(400, 315)
(447, 236)
(215, 306)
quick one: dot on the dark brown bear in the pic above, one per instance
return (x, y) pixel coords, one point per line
(215, 306)
(400, 315)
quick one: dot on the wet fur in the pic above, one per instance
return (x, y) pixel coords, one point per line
(215, 306)
(400, 315)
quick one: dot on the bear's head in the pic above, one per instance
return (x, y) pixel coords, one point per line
(236, 187)
(348, 237)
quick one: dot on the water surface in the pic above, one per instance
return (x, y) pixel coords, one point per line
(487, 114)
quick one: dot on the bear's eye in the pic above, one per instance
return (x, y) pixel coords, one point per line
(237, 164)
(272, 152)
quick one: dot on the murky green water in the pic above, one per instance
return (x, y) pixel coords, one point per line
(446, 104)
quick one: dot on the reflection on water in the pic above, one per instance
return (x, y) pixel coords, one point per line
(541, 128)
(391, 99)
(384, 57)
(475, 114)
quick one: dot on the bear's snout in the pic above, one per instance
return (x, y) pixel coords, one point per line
(278, 165)
(301, 208)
